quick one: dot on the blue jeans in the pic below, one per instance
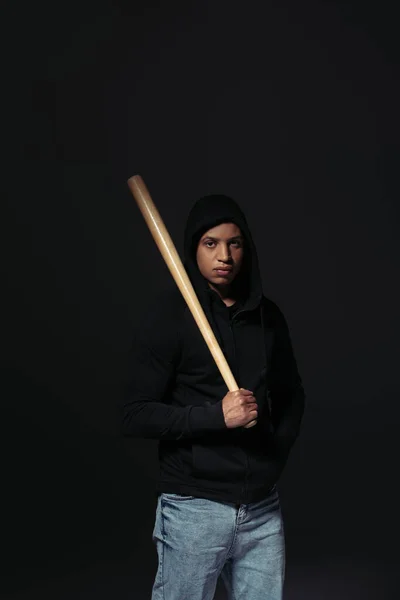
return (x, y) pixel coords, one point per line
(197, 540)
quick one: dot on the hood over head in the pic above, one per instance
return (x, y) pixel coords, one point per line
(210, 211)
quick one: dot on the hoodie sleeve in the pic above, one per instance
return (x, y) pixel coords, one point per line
(286, 389)
(148, 410)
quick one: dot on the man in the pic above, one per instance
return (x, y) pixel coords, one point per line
(218, 508)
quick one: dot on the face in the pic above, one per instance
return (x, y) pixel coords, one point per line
(220, 254)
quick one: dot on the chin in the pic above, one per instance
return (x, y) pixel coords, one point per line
(218, 280)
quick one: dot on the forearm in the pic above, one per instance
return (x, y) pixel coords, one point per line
(146, 418)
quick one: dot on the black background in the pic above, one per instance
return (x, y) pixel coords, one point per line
(292, 109)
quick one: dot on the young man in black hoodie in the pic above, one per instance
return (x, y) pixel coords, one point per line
(218, 508)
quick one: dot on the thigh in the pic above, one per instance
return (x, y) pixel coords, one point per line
(256, 566)
(193, 537)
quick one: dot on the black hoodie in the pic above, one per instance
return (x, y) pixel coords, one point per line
(175, 391)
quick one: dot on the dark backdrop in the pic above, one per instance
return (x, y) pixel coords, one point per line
(291, 108)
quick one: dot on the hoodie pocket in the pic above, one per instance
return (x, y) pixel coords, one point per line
(218, 462)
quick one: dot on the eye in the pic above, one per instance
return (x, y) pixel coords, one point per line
(209, 244)
(237, 243)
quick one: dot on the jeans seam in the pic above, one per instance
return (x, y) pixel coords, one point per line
(234, 539)
(232, 593)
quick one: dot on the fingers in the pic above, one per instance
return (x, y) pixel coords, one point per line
(247, 397)
(245, 392)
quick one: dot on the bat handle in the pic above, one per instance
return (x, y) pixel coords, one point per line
(232, 388)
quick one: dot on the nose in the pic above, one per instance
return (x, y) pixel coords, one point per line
(224, 253)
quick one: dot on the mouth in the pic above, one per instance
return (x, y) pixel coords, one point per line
(223, 272)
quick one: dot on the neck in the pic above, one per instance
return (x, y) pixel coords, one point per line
(225, 293)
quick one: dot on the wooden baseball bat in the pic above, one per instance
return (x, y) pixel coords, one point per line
(175, 265)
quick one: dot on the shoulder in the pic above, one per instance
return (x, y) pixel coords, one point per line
(273, 314)
(164, 307)
(276, 321)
